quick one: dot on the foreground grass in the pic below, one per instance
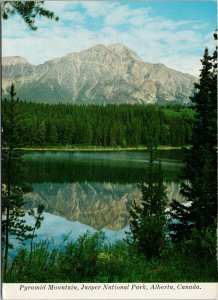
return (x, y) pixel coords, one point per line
(91, 259)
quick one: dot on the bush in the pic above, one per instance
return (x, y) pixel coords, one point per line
(91, 259)
(79, 259)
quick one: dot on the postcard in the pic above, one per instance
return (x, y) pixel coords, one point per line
(109, 149)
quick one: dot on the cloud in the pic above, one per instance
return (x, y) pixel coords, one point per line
(73, 16)
(58, 7)
(97, 8)
(177, 43)
(124, 15)
(186, 64)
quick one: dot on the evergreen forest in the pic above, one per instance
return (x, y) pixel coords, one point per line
(112, 125)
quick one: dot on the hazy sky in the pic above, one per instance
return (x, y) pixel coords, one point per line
(171, 32)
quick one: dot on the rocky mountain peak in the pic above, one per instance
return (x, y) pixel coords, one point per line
(123, 51)
(97, 47)
(14, 60)
(98, 75)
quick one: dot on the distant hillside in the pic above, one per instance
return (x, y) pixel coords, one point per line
(99, 75)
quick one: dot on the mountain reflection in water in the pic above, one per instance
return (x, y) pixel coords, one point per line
(92, 190)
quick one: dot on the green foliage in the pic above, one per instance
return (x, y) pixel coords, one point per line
(12, 208)
(28, 10)
(13, 186)
(148, 218)
(44, 264)
(106, 126)
(200, 161)
(83, 256)
(12, 193)
(91, 259)
(200, 250)
(201, 245)
(38, 220)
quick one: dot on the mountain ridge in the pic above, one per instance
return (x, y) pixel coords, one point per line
(98, 75)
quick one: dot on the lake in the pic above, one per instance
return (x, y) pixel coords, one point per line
(91, 190)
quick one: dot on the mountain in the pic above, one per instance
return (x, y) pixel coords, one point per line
(99, 75)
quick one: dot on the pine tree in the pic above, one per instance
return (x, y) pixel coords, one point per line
(41, 133)
(13, 187)
(148, 218)
(12, 194)
(28, 10)
(200, 161)
(52, 135)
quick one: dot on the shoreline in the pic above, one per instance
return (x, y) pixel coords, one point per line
(95, 149)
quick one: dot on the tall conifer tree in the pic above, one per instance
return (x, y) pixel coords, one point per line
(200, 161)
(13, 187)
(148, 218)
(12, 194)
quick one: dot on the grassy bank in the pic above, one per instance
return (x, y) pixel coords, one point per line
(91, 259)
(93, 148)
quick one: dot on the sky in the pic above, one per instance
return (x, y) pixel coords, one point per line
(171, 32)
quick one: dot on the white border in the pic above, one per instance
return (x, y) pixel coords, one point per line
(14, 291)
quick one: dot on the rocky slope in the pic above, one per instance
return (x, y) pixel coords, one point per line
(99, 75)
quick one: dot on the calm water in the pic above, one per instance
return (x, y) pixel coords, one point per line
(91, 190)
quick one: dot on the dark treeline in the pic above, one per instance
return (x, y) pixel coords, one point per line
(112, 125)
(48, 170)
